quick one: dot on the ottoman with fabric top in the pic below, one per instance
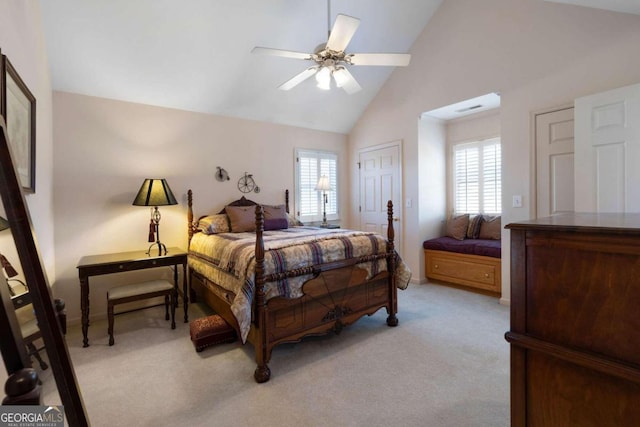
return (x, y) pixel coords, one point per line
(211, 330)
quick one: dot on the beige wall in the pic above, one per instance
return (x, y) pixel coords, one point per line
(21, 39)
(432, 173)
(474, 127)
(536, 54)
(104, 150)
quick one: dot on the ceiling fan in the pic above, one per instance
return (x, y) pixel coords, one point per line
(331, 60)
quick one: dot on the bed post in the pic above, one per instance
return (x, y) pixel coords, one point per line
(262, 372)
(189, 216)
(392, 320)
(286, 199)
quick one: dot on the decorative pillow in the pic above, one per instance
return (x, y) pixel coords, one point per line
(242, 218)
(275, 217)
(490, 228)
(214, 224)
(473, 230)
(457, 226)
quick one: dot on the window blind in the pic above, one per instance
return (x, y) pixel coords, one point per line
(477, 177)
(310, 166)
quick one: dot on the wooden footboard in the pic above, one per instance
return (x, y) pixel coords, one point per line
(327, 305)
(338, 295)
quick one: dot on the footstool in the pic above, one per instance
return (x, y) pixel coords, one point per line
(211, 330)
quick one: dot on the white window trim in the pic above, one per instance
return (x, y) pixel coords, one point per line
(333, 196)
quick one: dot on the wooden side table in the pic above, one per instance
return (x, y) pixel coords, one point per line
(96, 265)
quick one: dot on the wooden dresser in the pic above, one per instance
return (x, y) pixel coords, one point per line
(575, 321)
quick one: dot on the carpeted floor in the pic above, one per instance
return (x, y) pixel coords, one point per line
(446, 364)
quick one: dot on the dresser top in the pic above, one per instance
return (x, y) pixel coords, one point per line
(618, 223)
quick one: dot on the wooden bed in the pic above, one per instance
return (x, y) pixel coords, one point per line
(337, 295)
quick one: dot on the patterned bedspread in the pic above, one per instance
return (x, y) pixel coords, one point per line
(228, 259)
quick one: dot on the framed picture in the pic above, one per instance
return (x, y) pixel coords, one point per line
(18, 107)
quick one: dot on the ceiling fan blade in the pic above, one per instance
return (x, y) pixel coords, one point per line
(388, 59)
(343, 30)
(346, 81)
(280, 52)
(298, 78)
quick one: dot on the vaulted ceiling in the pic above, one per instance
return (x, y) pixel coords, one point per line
(195, 55)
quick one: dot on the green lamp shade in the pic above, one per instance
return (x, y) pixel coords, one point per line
(155, 192)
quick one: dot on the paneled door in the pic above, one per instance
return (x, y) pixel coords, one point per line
(607, 151)
(554, 162)
(380, 181)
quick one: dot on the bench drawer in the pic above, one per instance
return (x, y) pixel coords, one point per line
(462, 269)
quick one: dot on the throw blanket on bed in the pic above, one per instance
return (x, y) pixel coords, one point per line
(228, 259)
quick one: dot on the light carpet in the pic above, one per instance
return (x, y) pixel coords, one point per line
(445, 364)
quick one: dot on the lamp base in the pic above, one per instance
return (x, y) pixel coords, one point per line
(162, 249)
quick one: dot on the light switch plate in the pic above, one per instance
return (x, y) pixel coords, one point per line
(517, 201)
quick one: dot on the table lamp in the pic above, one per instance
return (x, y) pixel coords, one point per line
(324, 185)
(155, 192)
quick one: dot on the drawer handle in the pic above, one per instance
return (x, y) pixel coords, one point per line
(486, 275)
(435, 266)
(121, 266)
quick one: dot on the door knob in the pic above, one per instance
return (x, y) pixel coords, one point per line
(396, 219)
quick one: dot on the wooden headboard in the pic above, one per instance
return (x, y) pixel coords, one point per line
(243, 201)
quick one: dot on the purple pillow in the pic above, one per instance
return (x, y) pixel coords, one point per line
(276, 224)
(275, 217)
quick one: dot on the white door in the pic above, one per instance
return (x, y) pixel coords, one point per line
(380, 182)
(607, 151)
(554, 162)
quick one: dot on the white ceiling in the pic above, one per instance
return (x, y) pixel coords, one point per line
(195, 55)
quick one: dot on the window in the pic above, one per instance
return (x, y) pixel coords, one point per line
(310, 166)
(477, 177)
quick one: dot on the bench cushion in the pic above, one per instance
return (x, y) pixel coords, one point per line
(210, 330)
(483, 247)
(135, 289)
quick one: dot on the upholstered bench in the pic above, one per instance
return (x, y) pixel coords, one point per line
(140, 291)
(471, 262)
(469, 254)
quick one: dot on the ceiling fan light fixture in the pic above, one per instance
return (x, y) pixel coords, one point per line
(330, 58)
(323, 77)
(340, 76)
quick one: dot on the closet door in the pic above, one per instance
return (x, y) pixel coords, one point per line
(554, 162)
(607, 151)
(380, 181)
